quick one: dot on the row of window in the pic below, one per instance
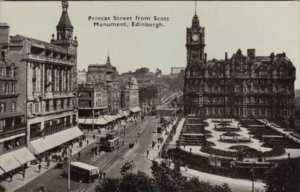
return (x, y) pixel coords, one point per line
(9, 88)
(3, 107)
(11, 123)
(14, 144)
(50, 105)
(53, 79)
(52, 126)
(7, 72)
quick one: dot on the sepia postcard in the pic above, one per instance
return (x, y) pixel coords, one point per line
(149, 96)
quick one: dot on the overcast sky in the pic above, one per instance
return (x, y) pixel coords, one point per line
(266, 26)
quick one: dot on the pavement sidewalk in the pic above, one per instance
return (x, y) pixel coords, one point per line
(33, 172)
(243, 184)
(154, 152)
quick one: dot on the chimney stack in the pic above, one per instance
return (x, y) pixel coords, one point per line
(251, 53)
(205, 57)
(226, 56)
(4, 35)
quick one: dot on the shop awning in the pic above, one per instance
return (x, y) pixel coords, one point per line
(89, 121)
(43, 142)
(81, 120)
(8, 162)
(36, 148)
(125, 113)
(119, 115)
(1, 171)
(51, 141)
(109, 118)
(101, 121)
(135, 109)
(23, 155)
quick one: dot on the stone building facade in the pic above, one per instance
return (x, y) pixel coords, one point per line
(129, 93)
(107, 76)
(92, 100)
(82, 77)
(12, 116)
(243, 86)
(48, 84)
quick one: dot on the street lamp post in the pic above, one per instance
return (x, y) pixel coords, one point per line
(69, 170)
(252, 170)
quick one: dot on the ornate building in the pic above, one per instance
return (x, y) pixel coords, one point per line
(13, 151)
(107, 76)
(47, 85)
(243, 86)
(130, 94)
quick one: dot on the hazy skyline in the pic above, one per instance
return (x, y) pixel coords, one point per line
(266, 26)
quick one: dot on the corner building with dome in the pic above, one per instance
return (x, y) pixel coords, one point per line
(243, 86)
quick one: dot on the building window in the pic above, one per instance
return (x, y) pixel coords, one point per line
(36, 107)
(13, 106)
(62, 103)
(6, 88)
(13, 88)
(54, 104)
(2, 107)
(47, 105)
(68, 103)
(30, 108)
(2, 125)
(2, 72)
(8, 72)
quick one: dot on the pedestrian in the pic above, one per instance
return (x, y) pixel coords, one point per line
(48, 163)
(11, 176)
(87, 142)
(100, 174)
(147, 153)
(79, 155)
(42, 188)
(104, 174)
(157, 146)
(40, 167)
(94, 136)
(23, 174)
(186, 168)
(190, 150)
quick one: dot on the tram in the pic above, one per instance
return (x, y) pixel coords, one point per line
(110, 142)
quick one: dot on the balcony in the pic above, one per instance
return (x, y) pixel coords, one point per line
(58, 94)
(9, 131)
(57, 111)
(10, 95)
(49, 60)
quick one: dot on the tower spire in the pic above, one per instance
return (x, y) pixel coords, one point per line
(195, 7)
(108, 59)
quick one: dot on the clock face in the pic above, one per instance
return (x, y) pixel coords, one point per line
(195, 37)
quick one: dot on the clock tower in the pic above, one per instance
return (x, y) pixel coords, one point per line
(196, 62)
(195, 43)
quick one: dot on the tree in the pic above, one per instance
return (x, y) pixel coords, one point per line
(139, 182)
(285, 177)
(108, 185)
(164, 179)
(167, 179)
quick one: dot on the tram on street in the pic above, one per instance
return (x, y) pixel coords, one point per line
(110, 142)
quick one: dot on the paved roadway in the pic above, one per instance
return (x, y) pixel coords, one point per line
(110, 162)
